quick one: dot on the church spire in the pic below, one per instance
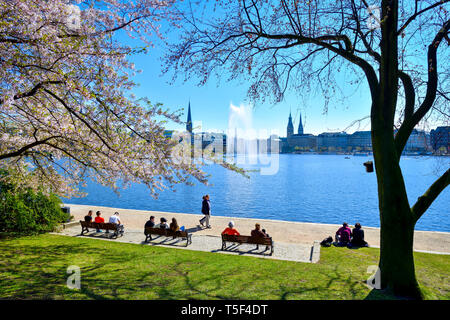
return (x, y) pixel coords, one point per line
(290, 126)
(300, 126)
(189, 119)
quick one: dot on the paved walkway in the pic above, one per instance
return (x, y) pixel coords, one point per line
(210, 243)
(281, 231)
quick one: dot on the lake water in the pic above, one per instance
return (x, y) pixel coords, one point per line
(305, 188)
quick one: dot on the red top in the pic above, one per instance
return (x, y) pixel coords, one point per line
(99, 220)
(231, 232)
(345, 233)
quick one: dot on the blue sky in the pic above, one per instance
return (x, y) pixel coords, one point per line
(210, 104)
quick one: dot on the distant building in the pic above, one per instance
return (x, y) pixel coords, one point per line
(299, 141)
(360, 140)
(302, 142)
(290, 127)
(418, 141)
(272, 145)
(440, 139)
(300, 126)
(189, 119)
(215, 142)
(284, 146)
(330, 141)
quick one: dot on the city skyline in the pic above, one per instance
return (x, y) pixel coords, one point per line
(420, 141)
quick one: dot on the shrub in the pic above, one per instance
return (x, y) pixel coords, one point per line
(28, 212)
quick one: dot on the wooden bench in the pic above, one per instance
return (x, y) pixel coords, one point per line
(247, 240)
(167, 233)
(103, 226)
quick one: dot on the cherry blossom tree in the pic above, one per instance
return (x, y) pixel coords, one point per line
(398, 50)
(66, 108)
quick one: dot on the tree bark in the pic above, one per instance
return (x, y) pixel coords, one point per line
(396, 252)
(396, 219)
(396, 233)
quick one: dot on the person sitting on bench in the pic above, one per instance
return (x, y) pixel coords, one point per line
(163, 224)
(258, 233)
(150, 223)
(99, 219)
(343, 235)
(231, 230)
(88, 218)
(115, 219)
(174, 226)
(358, 237)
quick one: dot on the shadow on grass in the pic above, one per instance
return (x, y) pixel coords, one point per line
(40, 272)
(37, 269)
(238, 248)
(381, 295)
(167, 241)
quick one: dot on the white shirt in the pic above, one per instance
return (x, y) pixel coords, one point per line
(114, 219)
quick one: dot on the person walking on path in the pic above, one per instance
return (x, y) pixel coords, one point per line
(206, 210)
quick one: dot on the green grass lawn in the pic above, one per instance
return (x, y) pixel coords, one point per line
(35, 268)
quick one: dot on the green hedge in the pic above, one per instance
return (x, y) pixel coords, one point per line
(28, 212)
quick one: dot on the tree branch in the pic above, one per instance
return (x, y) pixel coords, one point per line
(25, 148)
(79, 118)
(415, 15)
(408, 125)
(33, 91)
(424, 202)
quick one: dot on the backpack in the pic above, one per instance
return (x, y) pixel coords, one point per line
(327, 242)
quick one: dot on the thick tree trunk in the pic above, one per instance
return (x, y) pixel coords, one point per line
(397, 222)
(396, 241)
(396, 260)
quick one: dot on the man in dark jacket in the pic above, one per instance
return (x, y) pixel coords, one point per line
(88, 218)
(358, 237)
(206, 210)
(149, 224)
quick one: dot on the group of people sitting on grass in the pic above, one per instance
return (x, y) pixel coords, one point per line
(346, 237)
(163, 224)
(98, 219)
